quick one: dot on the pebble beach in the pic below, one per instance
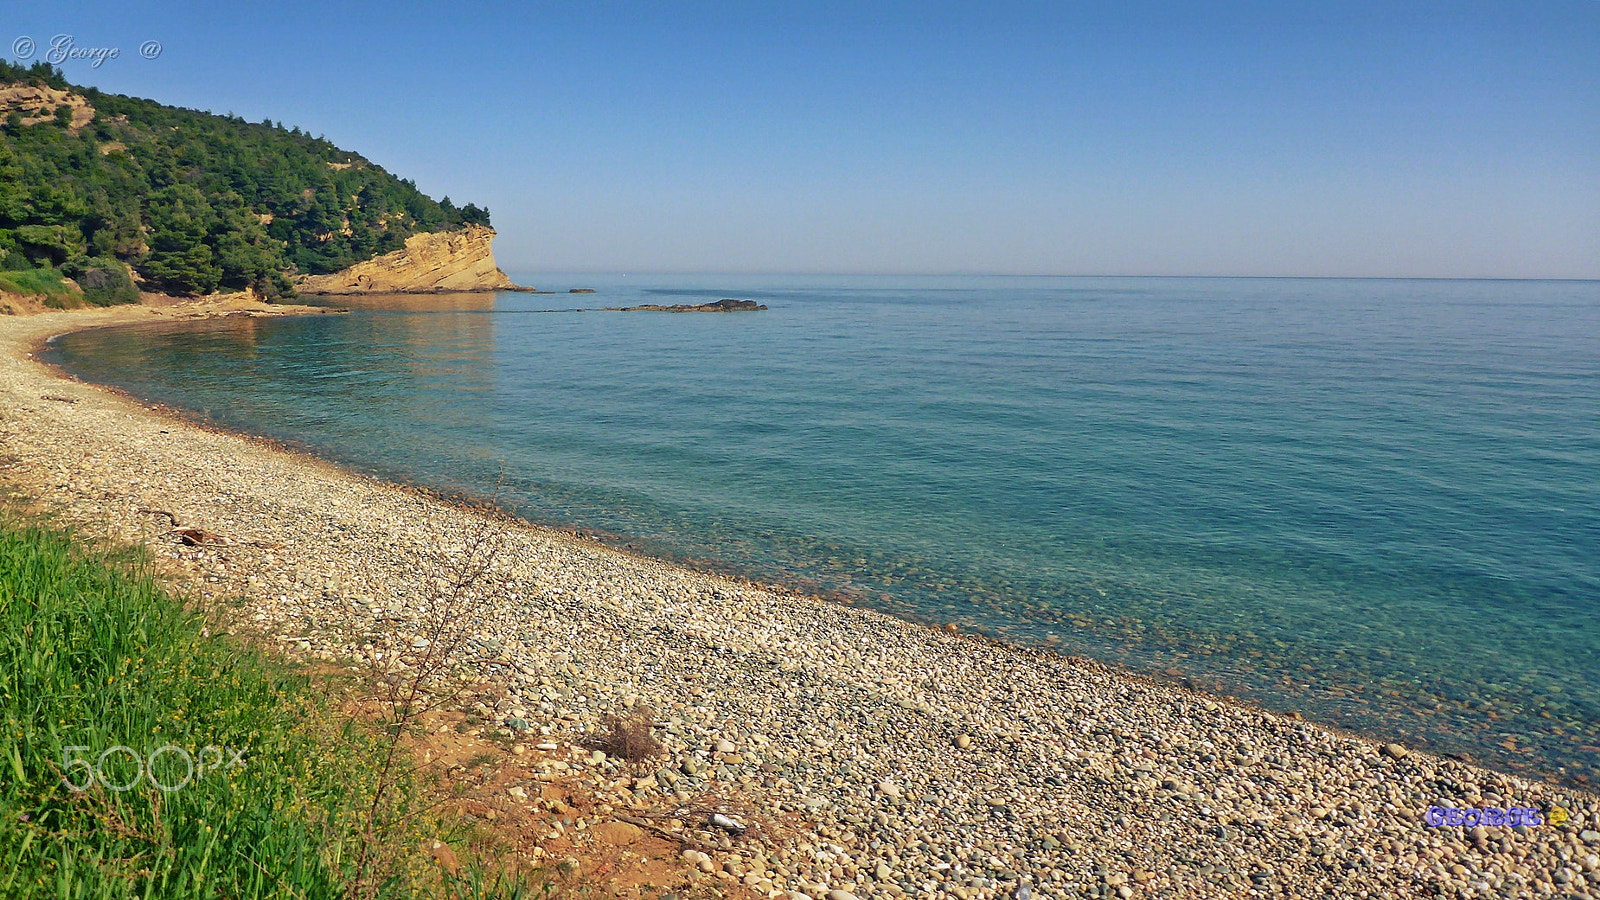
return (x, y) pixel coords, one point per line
(909, 761)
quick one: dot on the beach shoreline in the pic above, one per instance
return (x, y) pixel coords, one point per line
(1083, 778)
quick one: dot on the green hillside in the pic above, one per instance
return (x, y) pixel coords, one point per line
(193, 202)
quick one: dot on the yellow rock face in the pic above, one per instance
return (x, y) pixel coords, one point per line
(438, 261)
(36, 104)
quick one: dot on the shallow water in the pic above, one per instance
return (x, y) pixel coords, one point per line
(1373, 502)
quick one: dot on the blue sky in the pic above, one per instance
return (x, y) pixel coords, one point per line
(1452, 139)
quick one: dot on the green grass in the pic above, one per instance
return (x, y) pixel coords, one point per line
(48, 282)
(94, 654)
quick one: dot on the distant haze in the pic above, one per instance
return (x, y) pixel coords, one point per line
(1454, 139)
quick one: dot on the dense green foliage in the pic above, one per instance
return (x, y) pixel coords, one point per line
(194, 201)
(104, 281)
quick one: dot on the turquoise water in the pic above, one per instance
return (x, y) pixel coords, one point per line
(1373, 502)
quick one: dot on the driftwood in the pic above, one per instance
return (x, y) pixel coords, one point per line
(161, 512)
(194, 537)
(688, 840)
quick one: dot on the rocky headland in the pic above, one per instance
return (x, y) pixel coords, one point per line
(433, 262)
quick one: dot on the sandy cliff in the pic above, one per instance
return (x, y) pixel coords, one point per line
(440, 261)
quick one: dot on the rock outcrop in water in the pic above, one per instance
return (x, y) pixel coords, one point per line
(434, 262)
(725, 305)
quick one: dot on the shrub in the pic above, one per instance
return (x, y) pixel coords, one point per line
(105, 282)
(628, 738)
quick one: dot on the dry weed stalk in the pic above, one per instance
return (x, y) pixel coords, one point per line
(458, 588)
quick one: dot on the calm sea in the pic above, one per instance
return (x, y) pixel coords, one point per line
(1373, 502)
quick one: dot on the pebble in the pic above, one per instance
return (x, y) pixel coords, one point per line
(620, 834)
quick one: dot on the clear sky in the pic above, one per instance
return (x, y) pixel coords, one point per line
(1402, 138)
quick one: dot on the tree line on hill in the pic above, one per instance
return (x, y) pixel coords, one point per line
(191, 201)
